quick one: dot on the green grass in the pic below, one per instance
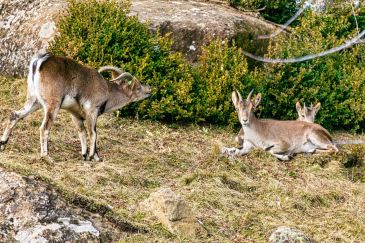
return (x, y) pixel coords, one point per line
(237, 200)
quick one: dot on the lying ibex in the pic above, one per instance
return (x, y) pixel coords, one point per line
(281, 138)
(56, 83)
(305, 113)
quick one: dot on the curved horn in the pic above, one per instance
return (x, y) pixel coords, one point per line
(122, 77)
(239, 95)
(311, 105)
(249, 95)
(111, 68)
(304, 105)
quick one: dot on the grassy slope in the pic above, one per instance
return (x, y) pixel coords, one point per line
(236, 200)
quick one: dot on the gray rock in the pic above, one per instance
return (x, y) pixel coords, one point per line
(285, 234)
(193, 23)
(33, 212)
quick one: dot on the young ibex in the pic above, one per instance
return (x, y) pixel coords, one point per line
(305, 113)
(56, 83)
(281, 138)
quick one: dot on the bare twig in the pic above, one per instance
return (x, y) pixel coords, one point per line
(308, 57)
(252, 10)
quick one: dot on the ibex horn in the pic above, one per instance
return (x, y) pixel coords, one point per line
(123, 76)
(249, 95)
(111, 68)
(239, 95)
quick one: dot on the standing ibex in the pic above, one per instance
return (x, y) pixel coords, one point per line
(281, 138)
(305, 113)
(56, 83)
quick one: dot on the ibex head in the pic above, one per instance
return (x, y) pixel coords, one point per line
(133, 86)
(128, 83)
(245, 108)
(307, 114)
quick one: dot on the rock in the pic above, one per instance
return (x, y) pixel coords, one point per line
(193, 23)
(172, 211)
(33, 212)
(285, 234)
(28, 26)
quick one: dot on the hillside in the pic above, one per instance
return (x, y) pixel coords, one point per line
(240, 200)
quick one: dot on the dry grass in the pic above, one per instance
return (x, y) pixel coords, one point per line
(241, 200)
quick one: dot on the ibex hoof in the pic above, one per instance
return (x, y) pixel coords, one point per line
(44, 155)
(47, 158)
(95, 157)
(2, 145)
(224, 150)
(228, 151)
(86, 157)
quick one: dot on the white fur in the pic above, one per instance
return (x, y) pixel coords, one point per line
(69, 102)
(87, 105)
(35, 89)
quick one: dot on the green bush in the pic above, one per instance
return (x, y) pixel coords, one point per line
(100, 33)
(221, 69)
(336, 80)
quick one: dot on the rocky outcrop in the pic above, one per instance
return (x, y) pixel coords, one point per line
(27, 26)
(171, 210)
(33, 212)
(285, 234)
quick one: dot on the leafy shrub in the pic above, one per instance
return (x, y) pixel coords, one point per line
(337, 80)
(221, 69)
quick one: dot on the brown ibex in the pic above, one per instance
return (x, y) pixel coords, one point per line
(56, 83)
(281, 138)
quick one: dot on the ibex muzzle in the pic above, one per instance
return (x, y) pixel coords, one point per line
(56, 83)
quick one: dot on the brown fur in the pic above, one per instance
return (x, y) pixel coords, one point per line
(281, 138)
(62, 83)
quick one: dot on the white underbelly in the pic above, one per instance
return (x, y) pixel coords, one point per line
(69, 102)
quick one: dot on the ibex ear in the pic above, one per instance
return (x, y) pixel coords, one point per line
(317, 107)
(236, 98)
(257, 101)
(298, 106)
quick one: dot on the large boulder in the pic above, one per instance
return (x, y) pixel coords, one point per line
(33, 212)
(193, 23)
(27, 27)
